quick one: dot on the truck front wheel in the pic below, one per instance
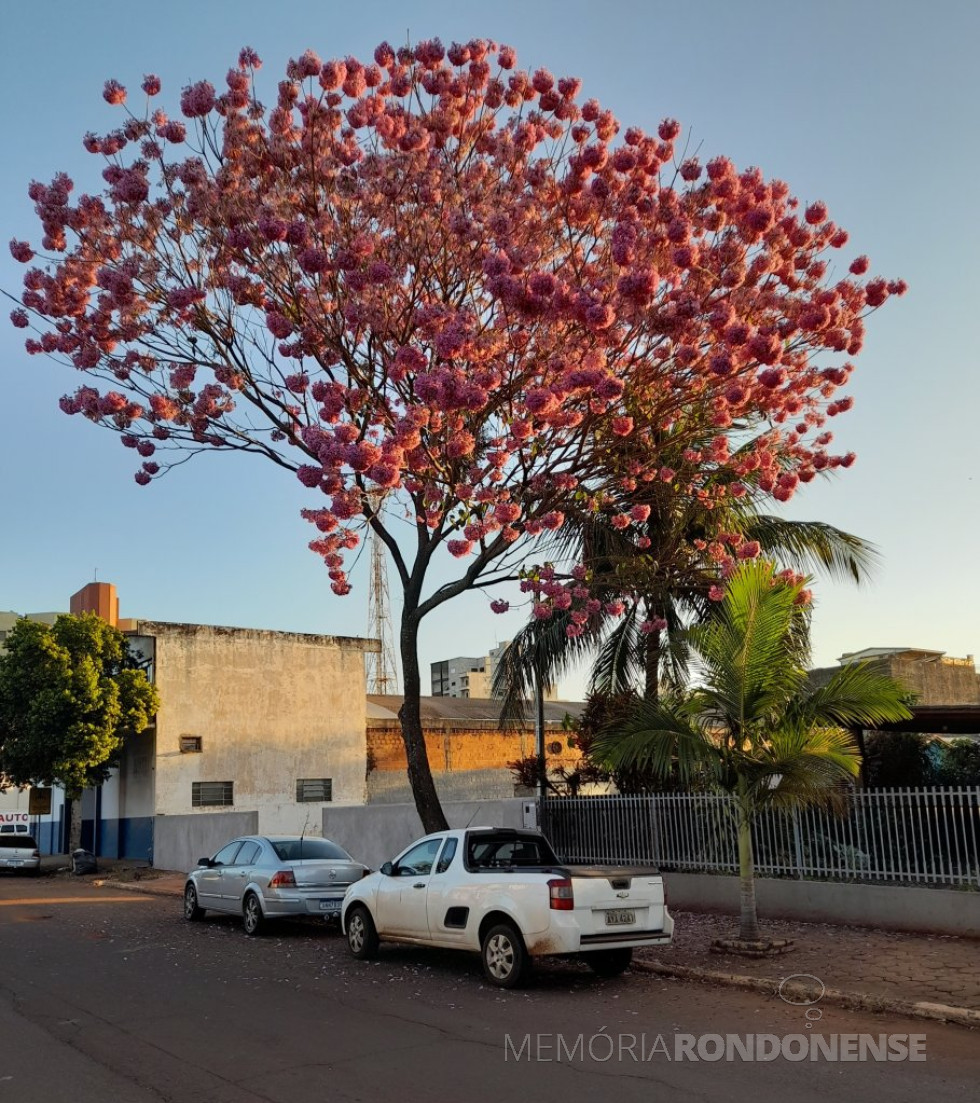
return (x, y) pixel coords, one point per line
(609, 963)
(505, 959)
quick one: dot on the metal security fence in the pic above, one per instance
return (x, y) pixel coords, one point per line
(903, 836)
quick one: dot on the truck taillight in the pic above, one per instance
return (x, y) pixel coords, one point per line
(282, 879)
(560, 895)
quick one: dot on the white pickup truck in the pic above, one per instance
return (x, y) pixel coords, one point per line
(503, 893)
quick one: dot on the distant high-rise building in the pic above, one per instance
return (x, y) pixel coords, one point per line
(471, 675)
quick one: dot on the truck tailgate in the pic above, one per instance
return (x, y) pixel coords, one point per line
(614, 902)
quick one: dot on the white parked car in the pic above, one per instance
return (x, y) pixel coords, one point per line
(20, 852)
(503, 893)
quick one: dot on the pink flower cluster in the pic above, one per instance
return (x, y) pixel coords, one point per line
(379, 281)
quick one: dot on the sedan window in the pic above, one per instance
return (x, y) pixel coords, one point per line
(312, 846)
(248, 855)
(226, 855)
(17, 842)
(418, 861)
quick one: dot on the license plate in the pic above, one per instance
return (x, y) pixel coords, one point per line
(620, 918)
(330, 905)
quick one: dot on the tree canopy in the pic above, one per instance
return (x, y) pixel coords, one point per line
(441, 276)
(69, 697)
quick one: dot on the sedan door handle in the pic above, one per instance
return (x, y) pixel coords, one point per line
(419, 885)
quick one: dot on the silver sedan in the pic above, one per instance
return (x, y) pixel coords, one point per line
(262, 878)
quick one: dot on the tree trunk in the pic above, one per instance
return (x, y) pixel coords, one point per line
(651, 688)
(419, 773)
(539, 733)
(749, 919)
(75, 822)
(862, 746)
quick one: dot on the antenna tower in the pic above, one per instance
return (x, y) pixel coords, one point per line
(382, 671)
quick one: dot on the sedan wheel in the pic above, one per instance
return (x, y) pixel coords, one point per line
(253, 920)
(505, 960)
(192, 910)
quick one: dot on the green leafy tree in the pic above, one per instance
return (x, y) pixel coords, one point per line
(898, 759)
(753, 726)
(959, 762)
(70, 695)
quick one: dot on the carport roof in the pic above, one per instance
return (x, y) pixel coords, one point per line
(939, 720)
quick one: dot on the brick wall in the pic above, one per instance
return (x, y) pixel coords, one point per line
(947, 681)
(939, 680)
(454, 749)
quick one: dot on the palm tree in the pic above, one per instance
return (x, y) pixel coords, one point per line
(753, 726)
(671, 582)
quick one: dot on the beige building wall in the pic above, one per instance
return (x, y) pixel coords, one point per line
(269, 708)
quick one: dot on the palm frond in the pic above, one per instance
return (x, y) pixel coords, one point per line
(856, 696)
(813, 546)
(543, 646)
(618, 664)
(660, 736)
(742, 648)
(799, 766)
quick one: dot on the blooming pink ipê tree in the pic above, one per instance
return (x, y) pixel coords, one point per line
(440, 276)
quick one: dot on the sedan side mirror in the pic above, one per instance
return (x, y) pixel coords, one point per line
(204, 862)
(388, 869)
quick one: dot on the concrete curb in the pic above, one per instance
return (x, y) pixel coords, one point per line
(163, 886)
(854, 1001)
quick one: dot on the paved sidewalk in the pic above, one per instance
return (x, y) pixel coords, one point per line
(879, 964)
(140, 878)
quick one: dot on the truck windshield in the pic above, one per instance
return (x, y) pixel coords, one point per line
(506, 851)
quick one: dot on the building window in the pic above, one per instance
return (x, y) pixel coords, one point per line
(313, 789)
(440, 679)
(206, 793)
(191, 744)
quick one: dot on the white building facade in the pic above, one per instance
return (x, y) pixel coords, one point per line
(255, 727)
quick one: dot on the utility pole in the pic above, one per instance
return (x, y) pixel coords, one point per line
(539, 732)
(382, 670)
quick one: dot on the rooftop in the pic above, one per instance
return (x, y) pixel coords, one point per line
(883, 652)
(470, 709)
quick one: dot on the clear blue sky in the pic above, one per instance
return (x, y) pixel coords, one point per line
(870, 105)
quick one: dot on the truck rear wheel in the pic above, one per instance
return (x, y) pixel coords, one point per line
(505, 959)
(609, 963)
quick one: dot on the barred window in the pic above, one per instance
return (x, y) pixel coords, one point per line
(312, 789)
(191, 744)
(204, 793)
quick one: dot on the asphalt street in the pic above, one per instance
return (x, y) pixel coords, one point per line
(108, 995)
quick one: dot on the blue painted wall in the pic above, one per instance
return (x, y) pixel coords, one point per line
(123, 838)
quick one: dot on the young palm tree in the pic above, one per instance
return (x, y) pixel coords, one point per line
(753, 726)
